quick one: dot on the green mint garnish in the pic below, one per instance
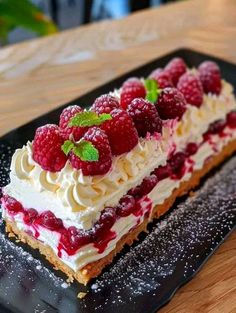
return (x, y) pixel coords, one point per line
(151, 84)
(85, 150)
(152, 90)
(89, 118)
(67, 146)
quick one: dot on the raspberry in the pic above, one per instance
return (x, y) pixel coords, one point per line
(231, 119)
(191, 148)
(30, 216)
(108, 217)
(47, 148)
(131, 89)
(135, 192)
(105, 104)
(145, 117)
(177, 163)
(78, 238)
(72, 239)
(65, 117)
(99, 139)
(126, 206)
(49, 221)
(176, 68)
(11, 205)
(162, 172)
(216, 127)
(148, 184)
(106, 221)
(162, 77)
(121, 132)
(209, 73)
(171, 104)
(191, 87)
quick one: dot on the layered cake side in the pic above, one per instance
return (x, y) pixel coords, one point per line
(83, 189)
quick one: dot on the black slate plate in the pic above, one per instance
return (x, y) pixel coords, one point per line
(144, 277)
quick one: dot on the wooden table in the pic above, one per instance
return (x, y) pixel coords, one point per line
(39, 75)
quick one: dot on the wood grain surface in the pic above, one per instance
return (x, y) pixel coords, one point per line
(42, 74)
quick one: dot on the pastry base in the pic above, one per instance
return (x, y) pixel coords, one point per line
(93, 269)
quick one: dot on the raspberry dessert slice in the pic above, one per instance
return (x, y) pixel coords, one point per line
(82, 190)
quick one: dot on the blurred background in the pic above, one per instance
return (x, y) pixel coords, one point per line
(25, 19)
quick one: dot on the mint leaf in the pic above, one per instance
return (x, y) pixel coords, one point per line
(89, 118)
(151, 96)
(67, 146)
(152, 89)
(105, 117)
(150, 84)
(83, 149)
(86, 151)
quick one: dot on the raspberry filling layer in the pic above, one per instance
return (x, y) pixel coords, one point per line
(136, 202)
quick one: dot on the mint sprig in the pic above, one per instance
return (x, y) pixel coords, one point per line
(152, 90)
(89, 118)
(67, 146)
(84, 149)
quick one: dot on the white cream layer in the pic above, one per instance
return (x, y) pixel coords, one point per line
(78, 199)
(162, 191)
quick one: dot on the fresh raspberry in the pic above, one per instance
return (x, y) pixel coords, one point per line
(99, 139)
(145, 187)
(191, 148)
(74, 131)
(126, 206)
(135, 192)
(121, 132)
(105, 104)
(148, 184)
(191, 87)
(177, 162)
(162, 172)
(104, 224)
(49, 221)
(171, 104)
(78, 237)
(72, 239)
(231, 119)
(108, 217)
(162, 77)
(47, 148)
(145, 117)
(176, 68)
(11, 204)
(30, 216)
(210, 77)
(216, 127)
(131, 89)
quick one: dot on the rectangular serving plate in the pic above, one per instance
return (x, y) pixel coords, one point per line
(25, 288)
